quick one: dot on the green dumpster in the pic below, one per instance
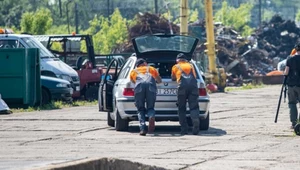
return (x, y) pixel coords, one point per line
(20, 82)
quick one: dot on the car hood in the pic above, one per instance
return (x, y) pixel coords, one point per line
(53, 79)
(148, 45)
(58, 67)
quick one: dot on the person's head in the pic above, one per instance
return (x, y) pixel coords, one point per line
(181, 57)
(140, 62)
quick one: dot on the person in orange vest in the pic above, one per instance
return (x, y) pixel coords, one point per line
(281, 65)
(293, 52)
(184, 73)
(145, 78)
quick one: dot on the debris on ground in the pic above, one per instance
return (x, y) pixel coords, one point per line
(242, 58)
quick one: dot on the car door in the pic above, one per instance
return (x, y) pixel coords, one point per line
(107, 84)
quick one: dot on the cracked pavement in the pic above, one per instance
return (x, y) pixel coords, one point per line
(242, 135)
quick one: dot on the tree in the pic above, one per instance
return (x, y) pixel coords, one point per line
(238, 18)
(36, 22)
(108, 32)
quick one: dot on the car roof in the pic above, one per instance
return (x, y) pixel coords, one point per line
(15, 35)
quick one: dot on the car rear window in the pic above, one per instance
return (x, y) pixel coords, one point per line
(165, 68)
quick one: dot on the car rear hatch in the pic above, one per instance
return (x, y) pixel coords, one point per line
(160, 51)
(164, 46)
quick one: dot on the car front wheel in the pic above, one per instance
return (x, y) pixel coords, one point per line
(46, 98)
(121, 124)
(110, 121)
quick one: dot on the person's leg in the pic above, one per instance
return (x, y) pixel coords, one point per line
(194, 109)
(150, 99)
(298, 100)
(292, 97)
(181, 102)
(140, 105)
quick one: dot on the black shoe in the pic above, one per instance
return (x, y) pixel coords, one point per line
(184, 131)
(143, 133)
(196, 127)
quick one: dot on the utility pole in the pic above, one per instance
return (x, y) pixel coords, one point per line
(68, 19)
(108, 10)
(76, 19)
(156, 6)
(60, 8)
(259, 13)
(184, 17)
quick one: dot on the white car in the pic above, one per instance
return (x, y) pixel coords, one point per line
(116, 92)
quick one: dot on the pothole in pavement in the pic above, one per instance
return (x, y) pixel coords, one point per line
(100, 164)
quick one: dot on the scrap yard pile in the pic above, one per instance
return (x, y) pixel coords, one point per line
(147, 23)
(259, 53)
(241, 57)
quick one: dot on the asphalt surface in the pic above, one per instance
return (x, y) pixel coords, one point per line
(242, 135)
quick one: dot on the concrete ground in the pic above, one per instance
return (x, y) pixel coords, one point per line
(242, 135)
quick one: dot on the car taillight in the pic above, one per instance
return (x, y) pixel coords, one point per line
(128, 92)
(202, 90)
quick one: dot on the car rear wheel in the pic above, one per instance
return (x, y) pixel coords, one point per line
(121, 124)
(203, 123)
(110, 121)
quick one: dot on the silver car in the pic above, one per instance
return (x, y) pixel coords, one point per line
(116, 91)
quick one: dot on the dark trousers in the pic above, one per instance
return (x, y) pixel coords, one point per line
(294, 98)
(144, 93)
(189, 95)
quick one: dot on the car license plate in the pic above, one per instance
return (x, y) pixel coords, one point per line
(77, 88)
(71, 91)
(167, 91)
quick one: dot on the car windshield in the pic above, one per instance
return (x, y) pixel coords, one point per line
(164, 43)
(32, 43)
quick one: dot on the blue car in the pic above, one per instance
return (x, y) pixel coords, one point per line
(55, 89)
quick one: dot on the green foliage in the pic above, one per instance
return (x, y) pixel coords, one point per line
(61, 29)
(298, 16)
(238, 18)
(55, 105)
(108, 32)
(245, 87)
(26, 22)
(36, 22)
(193, 15)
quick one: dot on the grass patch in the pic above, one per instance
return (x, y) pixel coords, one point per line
(244, 87)
(55, 105)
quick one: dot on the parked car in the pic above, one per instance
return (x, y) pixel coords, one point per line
(55, 89)
(116, 94)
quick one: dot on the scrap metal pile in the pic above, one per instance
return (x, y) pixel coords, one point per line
(147, 23)
(242, 57)
(259, 53)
